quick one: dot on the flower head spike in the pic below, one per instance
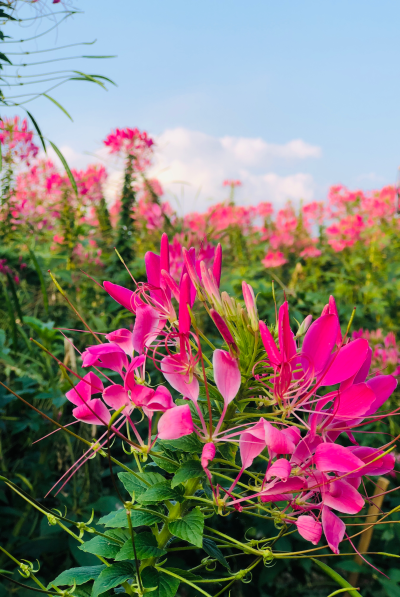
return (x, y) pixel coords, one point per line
(250, 302)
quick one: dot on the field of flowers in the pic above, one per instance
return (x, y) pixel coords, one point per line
(275, 331)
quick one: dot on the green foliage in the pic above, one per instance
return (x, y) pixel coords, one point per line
(189, 528)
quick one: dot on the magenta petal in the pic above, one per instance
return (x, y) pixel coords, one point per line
(175, 423)
(318, 344)
(141, 395)
(90, 384)
(146, 327)
(226, 374)
(152, 264)
(280, 469)
(333, 457)
(382, 386)
(252, 443)
(343, 497)
(293, 434)
(93, 412)
(382, 466)
(353, 402)
(361, 375)
(282, 490)
(184, 301)
(276, 440)
(334, 529)
(269, 344)
(122, 295)
(305, 449)
(160, 401)
(309, 528)
(173, 371)
(123, 338)
(287, 344)
(116, 396)
(217, 265)
(345, 362)
(111, 356)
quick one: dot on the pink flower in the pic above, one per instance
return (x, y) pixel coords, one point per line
(175, 423)
(274, 259)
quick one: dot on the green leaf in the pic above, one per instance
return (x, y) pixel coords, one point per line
(228, 451)
(100, 546)
(166, 465)
(79, 576)
(4, 57)
(66, 167)
(336, 577)
(140, 483)
(160, 492)
(39, 132)
(188, 443)
(58, 106)
(146, 547)
(189, 528)
(167, 586)
(113, 576)
(213, 551)
(118, 519)
(191, 469)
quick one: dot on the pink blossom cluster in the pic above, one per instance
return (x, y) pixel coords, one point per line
(17, 140)
(385, 350)
(310, 476)
(131, 142)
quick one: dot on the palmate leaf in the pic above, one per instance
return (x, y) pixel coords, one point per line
(167, 586)
(190, 528)
(112, 577)
(118, 519)
(79, 576)
(146, 547)
(191, 469)
(100, 546)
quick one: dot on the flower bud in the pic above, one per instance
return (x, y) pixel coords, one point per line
(250, 303)
(304, 326)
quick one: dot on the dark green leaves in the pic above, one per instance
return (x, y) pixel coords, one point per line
(100, 546)
(214, 552)
(146, 547)
(58, 106)
(191, 469)
(79, 576)
(167, 464)
(188, 443)
(113, 576)
(160, 492)
(140, 483)
(167, 586)
(118, 519)
(189, 528)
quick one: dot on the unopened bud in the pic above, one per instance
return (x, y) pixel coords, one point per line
(250, 302)
(304, 326)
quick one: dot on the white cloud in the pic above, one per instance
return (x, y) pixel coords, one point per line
(192, 166)
(198, 164)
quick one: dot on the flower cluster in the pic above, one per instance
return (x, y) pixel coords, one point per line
(131, 142)
(310, 391)
(17, 141)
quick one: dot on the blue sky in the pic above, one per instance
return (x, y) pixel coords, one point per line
(326, 73)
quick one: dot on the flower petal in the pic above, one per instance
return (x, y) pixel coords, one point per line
(309, 528)
(334, 529)
(175, 423)
(226, 374)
